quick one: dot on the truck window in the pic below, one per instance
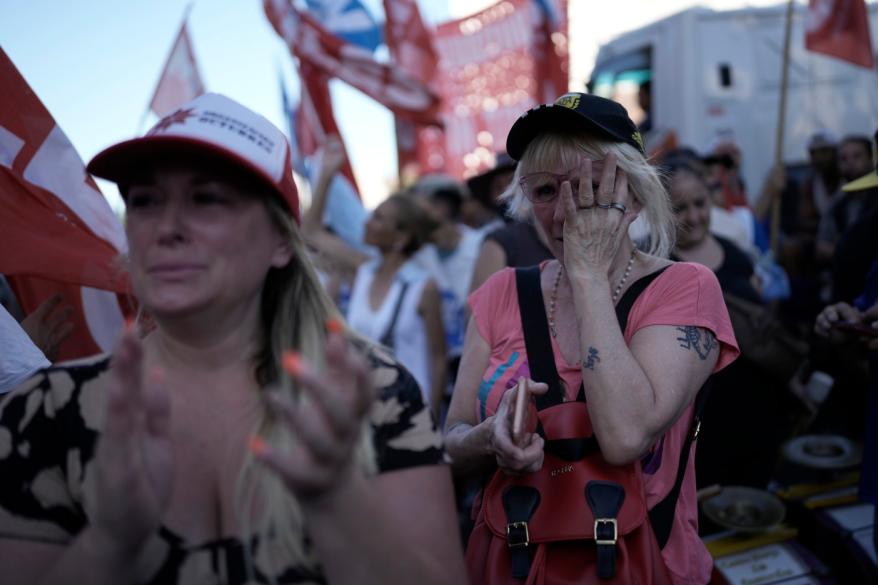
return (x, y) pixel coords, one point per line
(626, 78)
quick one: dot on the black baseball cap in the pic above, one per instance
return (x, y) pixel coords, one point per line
(577, 112)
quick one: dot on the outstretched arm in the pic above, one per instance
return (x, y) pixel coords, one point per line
(313, 229)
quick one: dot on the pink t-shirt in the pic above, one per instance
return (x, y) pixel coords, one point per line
(685, 294)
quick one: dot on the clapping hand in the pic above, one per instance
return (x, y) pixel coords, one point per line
(133, 462)
(327, 422)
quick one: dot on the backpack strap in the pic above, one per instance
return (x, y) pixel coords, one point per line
(520, 502)
(387, 338)
(661, 516)
(623, 309)
(535, 327)
(605, 500)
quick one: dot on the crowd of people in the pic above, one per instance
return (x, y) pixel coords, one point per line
(524, 376)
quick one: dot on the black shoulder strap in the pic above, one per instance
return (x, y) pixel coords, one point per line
(631, 295)
(387, 338)
(535, 327)
(661, 516)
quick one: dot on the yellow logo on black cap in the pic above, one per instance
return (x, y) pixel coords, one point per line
(568, 100)
(638, 139)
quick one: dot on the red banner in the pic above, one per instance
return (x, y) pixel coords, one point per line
(57, 232)
(493, 66)
(180, 81)
(315, 119)
(840, 28)
(406, 97)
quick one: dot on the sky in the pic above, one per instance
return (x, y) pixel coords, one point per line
(95, 64)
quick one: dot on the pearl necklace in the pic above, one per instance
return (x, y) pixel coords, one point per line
(619, 286)
(616, 292)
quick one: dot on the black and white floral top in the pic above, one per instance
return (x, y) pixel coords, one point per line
(48, 430)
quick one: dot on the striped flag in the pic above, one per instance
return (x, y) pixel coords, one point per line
(334, 58)
(57, 232)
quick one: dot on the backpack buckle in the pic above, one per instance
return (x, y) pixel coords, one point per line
(605, 531)
(517, 535)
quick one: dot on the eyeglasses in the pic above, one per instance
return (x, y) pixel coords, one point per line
(544, 187)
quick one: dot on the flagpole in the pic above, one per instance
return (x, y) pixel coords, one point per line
(781, 119)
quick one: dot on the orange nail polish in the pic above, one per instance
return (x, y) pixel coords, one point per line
(291, 362)
(334, 326)
(130, 324)
(257, 445)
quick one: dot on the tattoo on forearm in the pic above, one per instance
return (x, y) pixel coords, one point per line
(698, 340)
(592, 359)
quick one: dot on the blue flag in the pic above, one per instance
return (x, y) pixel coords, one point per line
(349, 20)
(548, 10)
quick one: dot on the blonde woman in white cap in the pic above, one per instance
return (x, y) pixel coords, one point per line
(136, 468)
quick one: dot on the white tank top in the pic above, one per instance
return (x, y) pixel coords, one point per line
(410, 334)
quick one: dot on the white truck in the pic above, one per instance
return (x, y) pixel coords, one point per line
(717, 74)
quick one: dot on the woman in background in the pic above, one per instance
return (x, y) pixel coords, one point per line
(392, 300)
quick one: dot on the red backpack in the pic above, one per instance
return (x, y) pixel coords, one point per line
(579, 520)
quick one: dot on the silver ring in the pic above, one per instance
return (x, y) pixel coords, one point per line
(614, 205)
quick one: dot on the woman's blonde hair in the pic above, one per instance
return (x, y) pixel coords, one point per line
(563, 150)
(295, 309)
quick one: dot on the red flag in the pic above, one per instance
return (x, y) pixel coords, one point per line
(311, 43)
(57, 232)
(314, 118)
(409, 41)
(840, 28)
(180, 81)
(411, 46)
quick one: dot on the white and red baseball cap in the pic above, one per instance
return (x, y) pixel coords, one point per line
(214, 125)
